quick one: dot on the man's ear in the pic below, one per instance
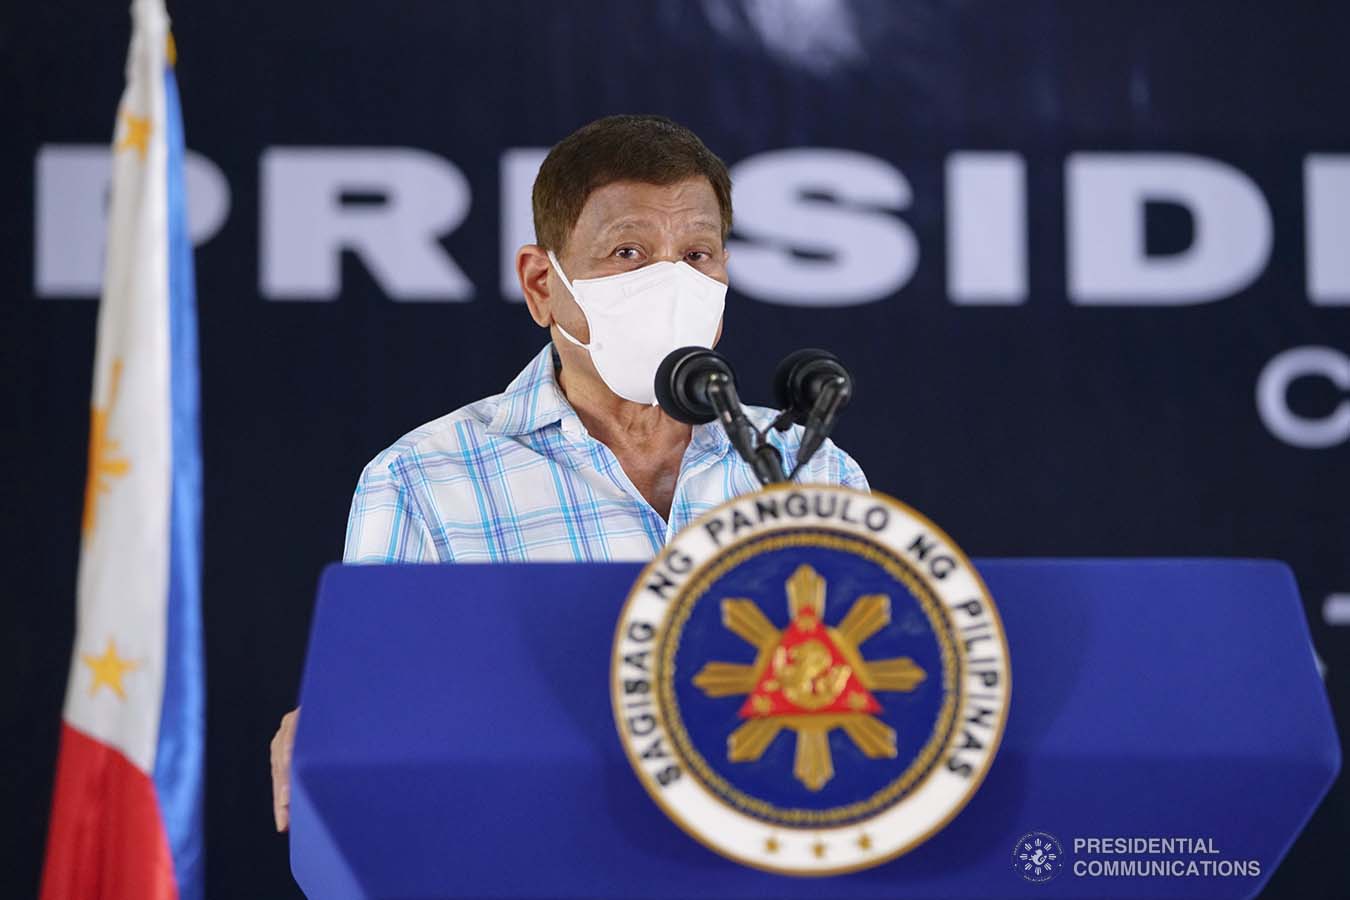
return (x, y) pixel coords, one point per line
(533, 269)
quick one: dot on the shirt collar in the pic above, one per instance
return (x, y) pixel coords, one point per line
(534, 400)
(711, 437)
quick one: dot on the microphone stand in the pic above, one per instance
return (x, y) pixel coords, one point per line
(820, 422)
(749, 442)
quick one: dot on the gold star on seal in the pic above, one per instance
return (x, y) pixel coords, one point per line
(864, 842)
(819, 848)
(771, 845)
(108, 669)
(135, 134)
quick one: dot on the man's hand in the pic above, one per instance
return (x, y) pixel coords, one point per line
(281, 769)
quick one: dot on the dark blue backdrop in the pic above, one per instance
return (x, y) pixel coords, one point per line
(1044, 424)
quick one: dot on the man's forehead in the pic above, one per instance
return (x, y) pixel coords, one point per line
(640, 222)
(629, 205)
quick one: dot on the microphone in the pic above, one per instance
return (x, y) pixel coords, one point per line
(695, 385)
(682, 383)
(801, 378)
(811, 387)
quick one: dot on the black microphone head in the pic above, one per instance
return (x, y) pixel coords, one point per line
(681, 383)
(800, 376)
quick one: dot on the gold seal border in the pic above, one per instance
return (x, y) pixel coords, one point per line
(678, 820)
(810, 536)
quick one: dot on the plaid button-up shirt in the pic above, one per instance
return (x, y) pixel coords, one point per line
(516, 477)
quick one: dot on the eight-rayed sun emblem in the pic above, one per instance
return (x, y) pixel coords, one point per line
(809, 678)
(106, 464)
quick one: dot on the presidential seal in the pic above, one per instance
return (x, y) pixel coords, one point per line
(810, 680)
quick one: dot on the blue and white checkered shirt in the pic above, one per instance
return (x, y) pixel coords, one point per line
(516, 478)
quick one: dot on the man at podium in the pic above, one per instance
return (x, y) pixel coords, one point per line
(574, 461)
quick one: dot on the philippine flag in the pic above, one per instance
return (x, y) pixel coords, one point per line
(127, 808)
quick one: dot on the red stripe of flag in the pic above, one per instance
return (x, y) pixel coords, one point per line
(106, 840)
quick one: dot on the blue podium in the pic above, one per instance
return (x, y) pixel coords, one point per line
(456, 740)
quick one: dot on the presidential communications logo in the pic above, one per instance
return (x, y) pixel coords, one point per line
(1038, 857)
(811, 679)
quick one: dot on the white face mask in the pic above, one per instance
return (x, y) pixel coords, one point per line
(637, 318)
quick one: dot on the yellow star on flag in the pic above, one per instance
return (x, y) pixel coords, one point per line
(108, 669)
(136, 133)
(104, 462)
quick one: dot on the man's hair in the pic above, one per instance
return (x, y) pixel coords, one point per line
(650, 149)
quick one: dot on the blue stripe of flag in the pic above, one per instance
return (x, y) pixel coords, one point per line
(179, 770)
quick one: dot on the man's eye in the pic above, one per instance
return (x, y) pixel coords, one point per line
(626, 253)
(697, 256)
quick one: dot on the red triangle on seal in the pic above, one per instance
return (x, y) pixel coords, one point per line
(807, 675)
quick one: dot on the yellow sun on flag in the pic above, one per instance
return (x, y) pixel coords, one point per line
(105, 462)
(135, 134)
